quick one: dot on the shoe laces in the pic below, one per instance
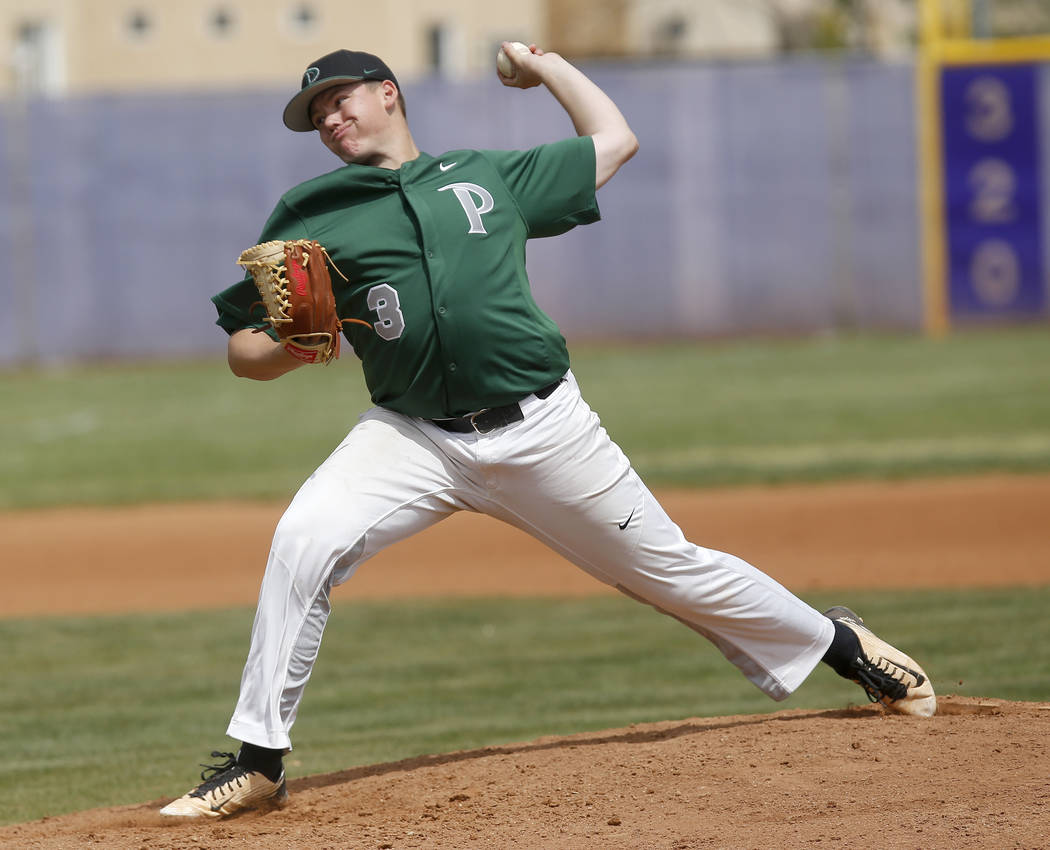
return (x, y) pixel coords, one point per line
(215, 775)
(882, 679)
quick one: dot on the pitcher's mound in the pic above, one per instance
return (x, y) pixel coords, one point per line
(973, 776)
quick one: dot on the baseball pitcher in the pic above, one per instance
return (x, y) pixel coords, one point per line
(418, 262)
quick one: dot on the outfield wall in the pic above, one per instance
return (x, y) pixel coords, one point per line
(765, 197)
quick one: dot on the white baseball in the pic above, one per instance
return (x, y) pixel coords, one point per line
(503, 63)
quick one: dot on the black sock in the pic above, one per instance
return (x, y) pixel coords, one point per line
(266, 761)
(844, 649)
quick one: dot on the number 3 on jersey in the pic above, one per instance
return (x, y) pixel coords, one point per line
(383, 299)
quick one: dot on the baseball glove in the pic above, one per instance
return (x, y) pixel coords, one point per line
(292, 278)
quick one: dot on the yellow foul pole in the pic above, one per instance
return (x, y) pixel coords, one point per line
(933, 239)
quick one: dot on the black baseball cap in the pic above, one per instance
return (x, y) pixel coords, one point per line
(333, 69)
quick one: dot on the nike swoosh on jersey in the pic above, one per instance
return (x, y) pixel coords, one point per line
(446, 167)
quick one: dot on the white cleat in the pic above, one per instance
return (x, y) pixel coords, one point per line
(230, 789)
(888, 676)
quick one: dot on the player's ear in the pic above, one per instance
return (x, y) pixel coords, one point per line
(390, 93)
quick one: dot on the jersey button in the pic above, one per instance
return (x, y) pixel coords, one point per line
(430, 254)
(452, 367)
(442, 311)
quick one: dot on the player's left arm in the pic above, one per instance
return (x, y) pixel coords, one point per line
(257, 356)
(592, 111)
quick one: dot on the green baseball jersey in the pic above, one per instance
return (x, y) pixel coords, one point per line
(434, 254)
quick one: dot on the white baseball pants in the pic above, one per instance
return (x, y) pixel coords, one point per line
(558, 476)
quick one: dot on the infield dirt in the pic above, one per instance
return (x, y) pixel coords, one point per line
(973, 776)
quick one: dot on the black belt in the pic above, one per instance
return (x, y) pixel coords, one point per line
(492, 418)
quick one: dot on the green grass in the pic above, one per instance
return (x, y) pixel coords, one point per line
(118, 710)
(695, 414)
(835, 407)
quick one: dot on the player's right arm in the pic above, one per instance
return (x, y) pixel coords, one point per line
(592, 111)
(258, 356)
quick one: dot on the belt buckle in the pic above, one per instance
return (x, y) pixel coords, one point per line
(474, 424)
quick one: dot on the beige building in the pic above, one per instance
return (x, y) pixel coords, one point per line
(662, 27)
(57, 47)
(83, 46)
(729, 28)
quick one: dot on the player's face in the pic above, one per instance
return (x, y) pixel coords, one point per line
(353, 120)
